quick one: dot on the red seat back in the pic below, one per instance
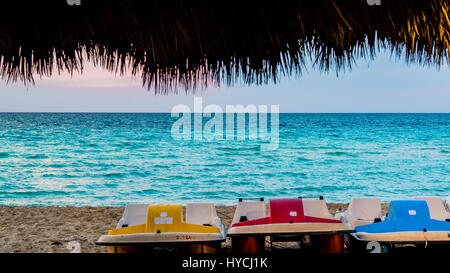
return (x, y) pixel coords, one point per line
(286, 211)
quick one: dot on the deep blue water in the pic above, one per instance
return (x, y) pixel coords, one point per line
(114, 159)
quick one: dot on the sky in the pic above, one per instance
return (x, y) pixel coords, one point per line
(382, 85)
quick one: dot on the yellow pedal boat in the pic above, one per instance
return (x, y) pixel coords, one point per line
(145, 226)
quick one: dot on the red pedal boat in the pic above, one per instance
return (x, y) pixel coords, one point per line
(287, 221)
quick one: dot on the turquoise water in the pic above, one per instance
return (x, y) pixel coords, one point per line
(114, 159)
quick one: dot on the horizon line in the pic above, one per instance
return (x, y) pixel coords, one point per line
(89, 112)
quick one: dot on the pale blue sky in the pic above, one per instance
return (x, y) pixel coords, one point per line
(381, 85)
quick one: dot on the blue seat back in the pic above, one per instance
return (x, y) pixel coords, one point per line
(412, 211)
(406, 215)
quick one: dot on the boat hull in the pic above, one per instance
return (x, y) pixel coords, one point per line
(204, 247)
(406, 236)
(159, 238)
(290, 228)
(396, 242)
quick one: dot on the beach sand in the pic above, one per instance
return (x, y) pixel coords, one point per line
(52, 229)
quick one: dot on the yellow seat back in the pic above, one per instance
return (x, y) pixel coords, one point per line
(164, 218)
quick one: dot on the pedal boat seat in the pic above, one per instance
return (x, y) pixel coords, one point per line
(436, 207)
(362, 211)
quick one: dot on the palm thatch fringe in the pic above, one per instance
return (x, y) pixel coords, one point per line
(199, 42)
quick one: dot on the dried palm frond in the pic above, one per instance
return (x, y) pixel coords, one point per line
(199, 42)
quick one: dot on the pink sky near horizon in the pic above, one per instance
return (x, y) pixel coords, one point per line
(92, 77)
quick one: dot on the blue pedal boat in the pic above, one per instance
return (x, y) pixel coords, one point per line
(407, 222)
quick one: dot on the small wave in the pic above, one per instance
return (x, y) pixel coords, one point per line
(57, 166)
(161, 166)
(205, 169)
(110, 185)
(93, 145)
(148, 191)
(219, 165)
(262, 193)
(313, 147)
(140, 174)
(374, 173)
(268, 156)
(237, 149)
(336, 153)
(340, 153)
(445, 152)
(168, 156)
(427, 148)
(268, 175)
(51, 175)
(38, 156)
(33, 138)
(114, 175)
(214, 194)
(189, 177)
(326, 188)
(129, 145)
(294, 174)
(303, 159)
(373, 152)
(4, 155)
(27, 165)
(227, 154)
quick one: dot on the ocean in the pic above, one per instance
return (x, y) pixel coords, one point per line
(79, 159)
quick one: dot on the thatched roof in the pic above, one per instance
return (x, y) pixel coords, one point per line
(197, 42)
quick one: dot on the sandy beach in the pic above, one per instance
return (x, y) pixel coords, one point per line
(52, 229)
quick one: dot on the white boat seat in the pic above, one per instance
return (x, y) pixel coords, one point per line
(202, 214)
(250, 209)
(447, 202)
(436, 207)
(134, 214)
(362, 211)
(316, 208)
